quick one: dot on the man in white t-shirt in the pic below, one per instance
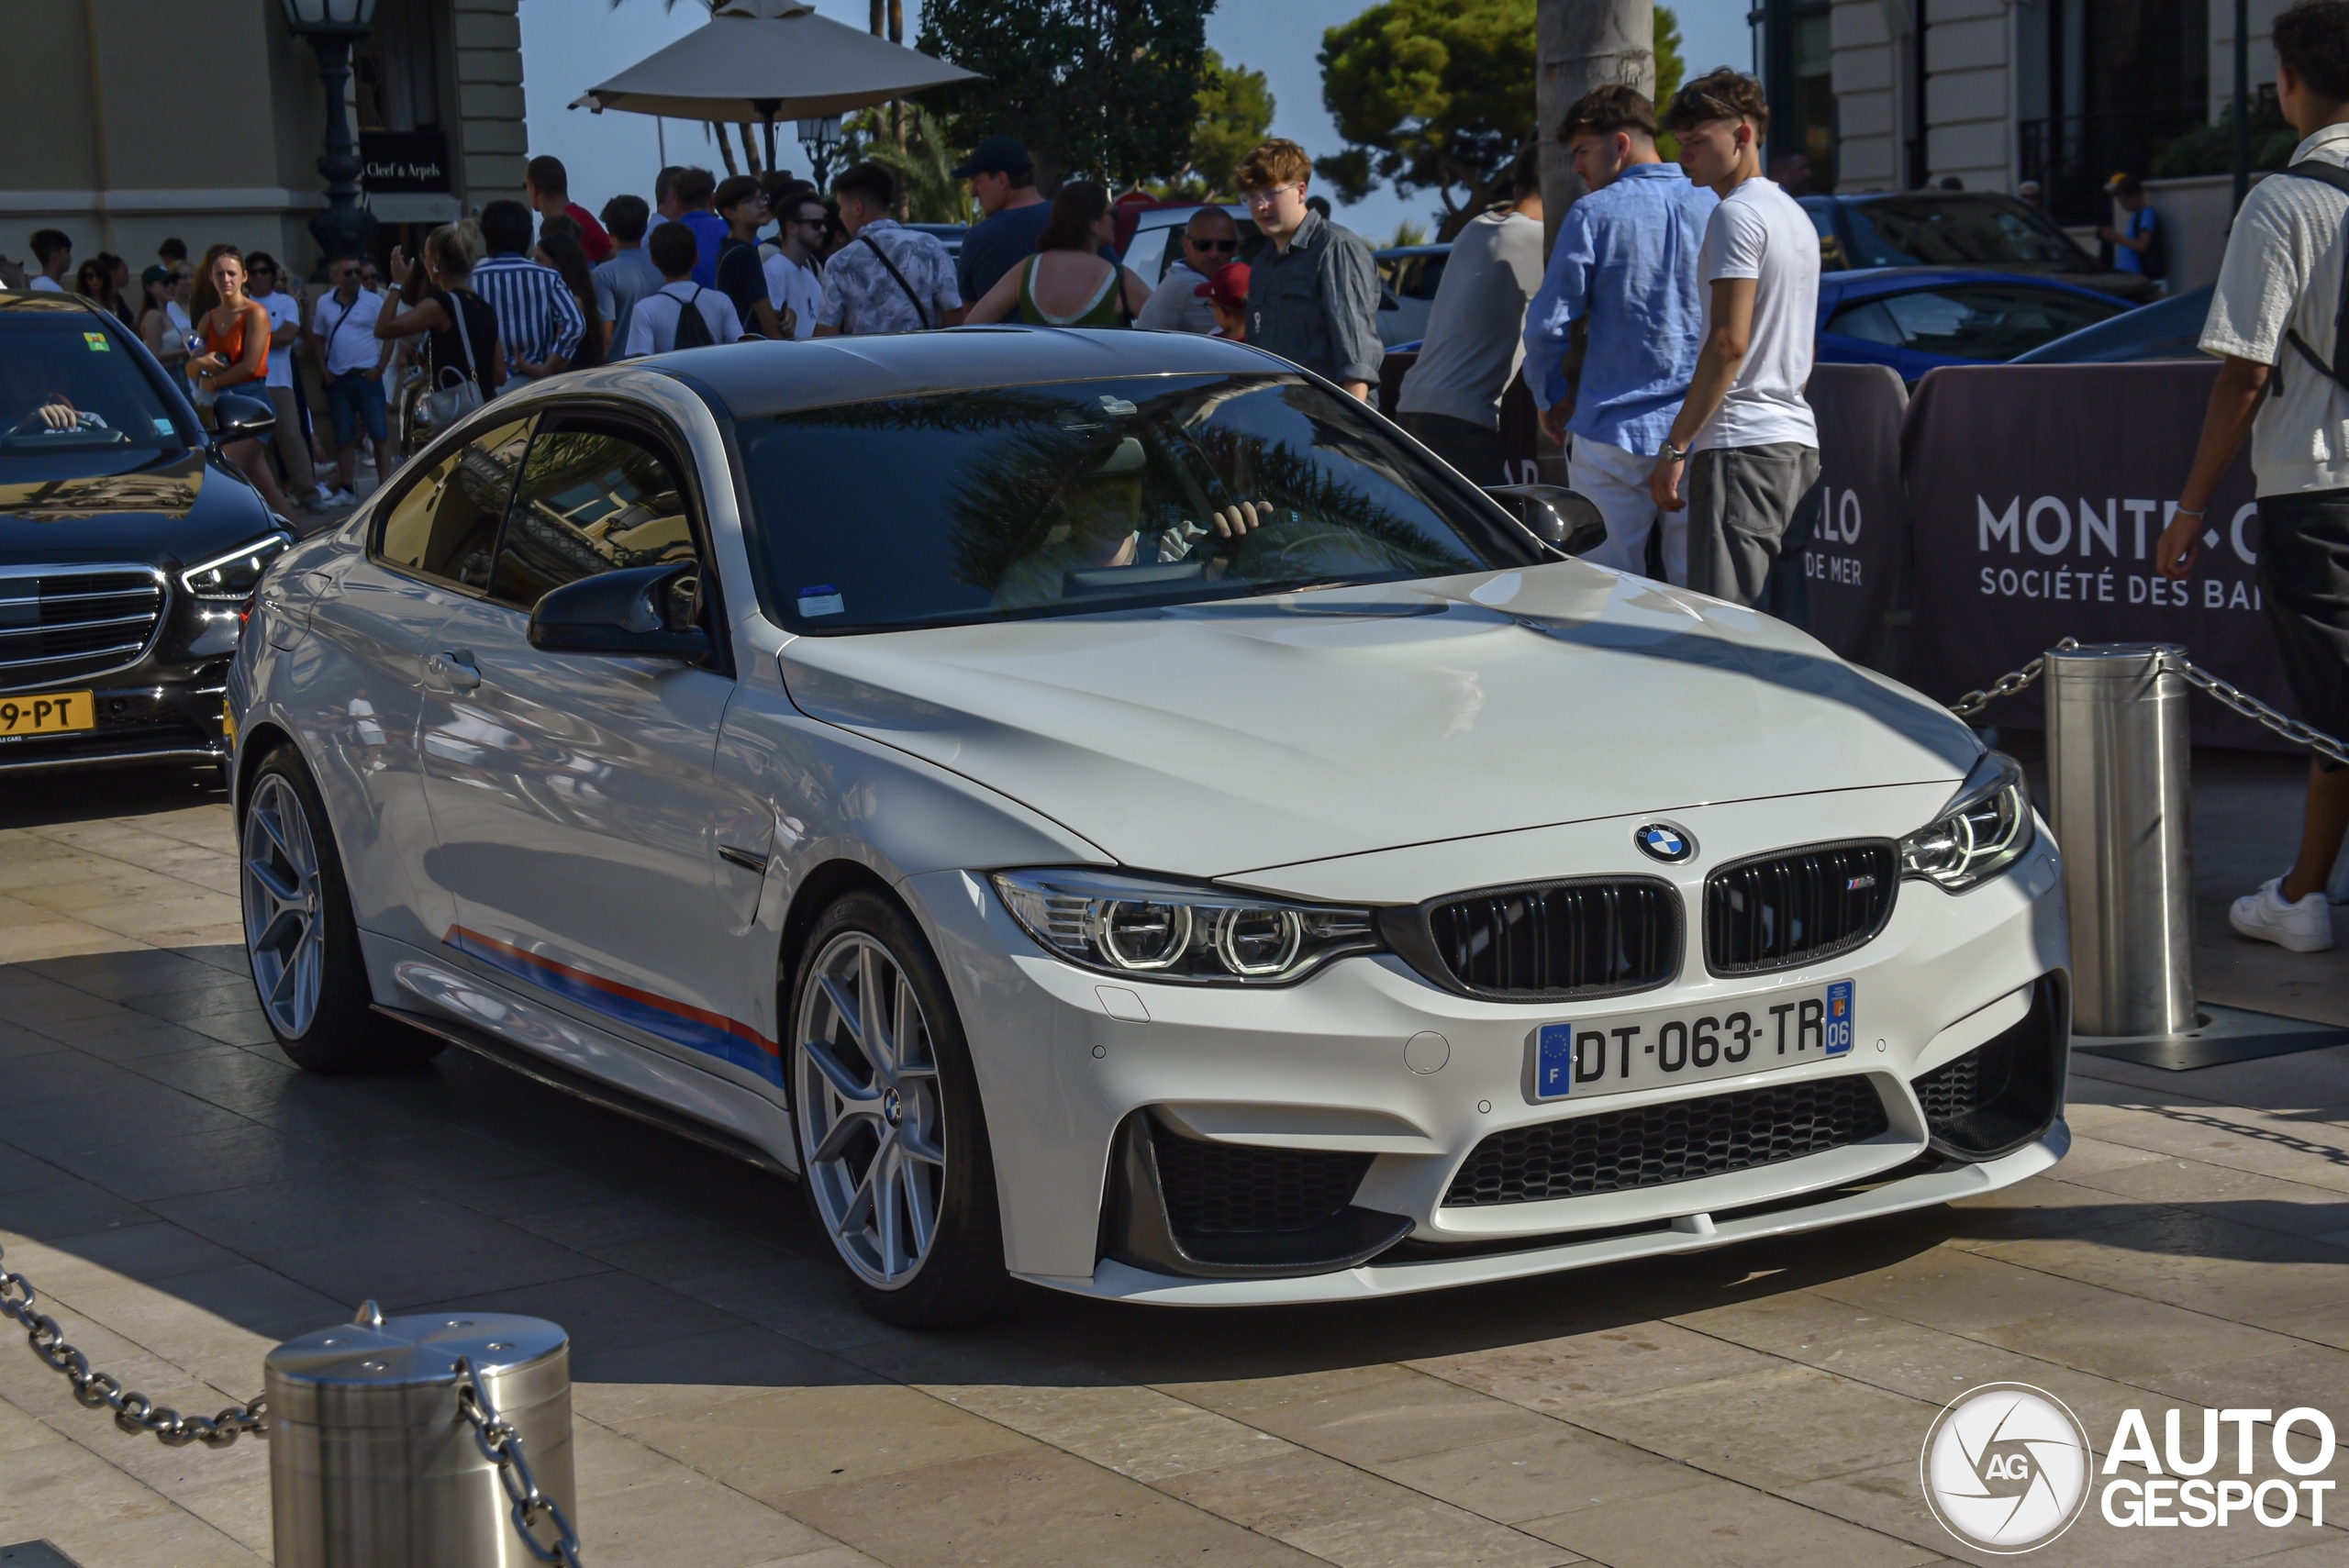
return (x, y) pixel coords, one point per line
(53, 251)
(265, 283)
(352, 358)
(652, 325)
(1745, 436)
(795, 287)
(1450, 397)
(2274, 325)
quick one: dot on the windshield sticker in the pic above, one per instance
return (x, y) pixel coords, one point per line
(823, 599)
(97, 341)
(166, 427)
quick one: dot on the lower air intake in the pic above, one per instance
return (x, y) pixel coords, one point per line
(1653, 1146)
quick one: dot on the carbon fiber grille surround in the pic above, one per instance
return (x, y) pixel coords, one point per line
(1594, 937)
(1679, 1140)
(1799, 907)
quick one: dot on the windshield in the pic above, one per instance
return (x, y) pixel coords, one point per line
(1080, 496)
(74, 403)
(1902, 231)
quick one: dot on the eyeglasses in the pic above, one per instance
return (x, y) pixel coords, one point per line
(1217, 245)
(1267, 198)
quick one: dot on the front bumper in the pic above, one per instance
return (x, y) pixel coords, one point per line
(147, 714)
(1066, 1065)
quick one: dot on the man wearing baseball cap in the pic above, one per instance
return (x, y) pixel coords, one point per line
(1003, 182)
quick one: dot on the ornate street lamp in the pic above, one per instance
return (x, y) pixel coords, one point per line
(818, 137)
(344, 229)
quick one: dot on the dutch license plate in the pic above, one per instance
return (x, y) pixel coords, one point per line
(1690, 1044)
(47, 712)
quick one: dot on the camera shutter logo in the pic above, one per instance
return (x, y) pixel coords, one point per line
(2005, 1467)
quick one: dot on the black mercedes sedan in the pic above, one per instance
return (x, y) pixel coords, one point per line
(130, 547)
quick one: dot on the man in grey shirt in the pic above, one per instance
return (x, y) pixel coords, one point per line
(1313, 296)
(628, 275)
(1450, 397)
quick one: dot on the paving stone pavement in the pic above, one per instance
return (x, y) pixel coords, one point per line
(185, 1199)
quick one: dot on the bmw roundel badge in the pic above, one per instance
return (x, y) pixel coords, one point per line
(1663, 841)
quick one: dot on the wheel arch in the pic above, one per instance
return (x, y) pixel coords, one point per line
(817, 889)
(252, 748)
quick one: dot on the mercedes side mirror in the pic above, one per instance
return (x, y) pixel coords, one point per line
(236, 417)
(646, 612)
(1558, 517)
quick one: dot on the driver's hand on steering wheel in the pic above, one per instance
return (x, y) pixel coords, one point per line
(1240, 518)
(59, 416)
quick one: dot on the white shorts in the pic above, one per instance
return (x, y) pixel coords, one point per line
(1617, 482)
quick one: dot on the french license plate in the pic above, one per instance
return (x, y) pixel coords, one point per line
(1683, 1045)
(47, 712)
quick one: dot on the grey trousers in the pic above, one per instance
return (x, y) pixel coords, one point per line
(293, 443)
(1474, 449)
(1740, 501)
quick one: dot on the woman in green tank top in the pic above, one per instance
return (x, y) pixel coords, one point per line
(1068, 283)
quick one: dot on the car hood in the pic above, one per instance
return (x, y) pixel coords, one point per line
(1211, 739)
(181, 509)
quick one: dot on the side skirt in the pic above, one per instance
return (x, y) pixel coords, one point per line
(595, 1092)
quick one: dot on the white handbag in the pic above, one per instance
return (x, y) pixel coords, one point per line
(449, 402)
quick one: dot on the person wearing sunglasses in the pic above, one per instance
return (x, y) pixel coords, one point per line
(795, 282)
(1210, 241)
(1313, 293)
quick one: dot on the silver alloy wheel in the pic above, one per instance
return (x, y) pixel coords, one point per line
(281, 887)
(872, 1126)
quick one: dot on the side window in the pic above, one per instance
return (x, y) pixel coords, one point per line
(446, 525)
(590, 501)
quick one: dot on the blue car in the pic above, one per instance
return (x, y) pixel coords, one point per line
(1914, 318)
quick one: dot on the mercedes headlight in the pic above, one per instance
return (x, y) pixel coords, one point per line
(234, 575)
(1985, 828)
(1148, 928)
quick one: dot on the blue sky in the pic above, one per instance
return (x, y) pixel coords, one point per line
(570, 45)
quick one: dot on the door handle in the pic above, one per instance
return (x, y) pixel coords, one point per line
(452, 669)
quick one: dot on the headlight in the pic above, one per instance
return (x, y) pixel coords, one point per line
(1153, 929)
(236, 574)
(1984, 829)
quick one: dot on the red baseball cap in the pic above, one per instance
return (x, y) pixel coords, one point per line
(1228, 287)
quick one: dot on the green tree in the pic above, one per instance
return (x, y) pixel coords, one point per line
(1430, 96)
(1669, 67)
(1108, 89)
(1235, 111)
(924, 168)
(1438, 95)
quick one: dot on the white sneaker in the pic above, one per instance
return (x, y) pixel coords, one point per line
(326, 495)
(345, 498)
(2304, 927)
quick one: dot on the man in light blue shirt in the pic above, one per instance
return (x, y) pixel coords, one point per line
(1625, 270)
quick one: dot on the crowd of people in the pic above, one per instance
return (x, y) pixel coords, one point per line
(1667, 339)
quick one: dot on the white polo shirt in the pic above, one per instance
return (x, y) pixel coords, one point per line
(349, 333)
(2282, 273)
(284, 310)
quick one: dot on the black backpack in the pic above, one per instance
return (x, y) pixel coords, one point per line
(693, 329)
(2338, 178)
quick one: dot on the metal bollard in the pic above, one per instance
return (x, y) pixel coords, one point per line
(2118, 751)
(370, 1464)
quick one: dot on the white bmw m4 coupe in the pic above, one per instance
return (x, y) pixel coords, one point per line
(1108, 810)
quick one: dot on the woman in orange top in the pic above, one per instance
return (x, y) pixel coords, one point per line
(236, 359)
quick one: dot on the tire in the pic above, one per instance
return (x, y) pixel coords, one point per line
(899, 1110)
(301, 942)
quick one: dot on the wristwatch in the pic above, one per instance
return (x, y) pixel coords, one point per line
(1670, 453)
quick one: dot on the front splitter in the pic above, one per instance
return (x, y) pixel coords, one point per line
(1119, 1282)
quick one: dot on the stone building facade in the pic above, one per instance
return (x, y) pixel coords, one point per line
(1910, 93)
(126, 121)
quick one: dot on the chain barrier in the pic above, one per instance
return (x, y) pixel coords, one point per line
(503, 1447)
(2220, 689)
(133, 1412)
(2010, 683)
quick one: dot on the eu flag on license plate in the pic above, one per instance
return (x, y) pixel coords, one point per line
(1839, 1018)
